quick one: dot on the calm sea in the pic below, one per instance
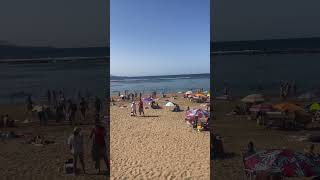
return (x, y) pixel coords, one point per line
(245, 73)
(167, 84)
(17, 80)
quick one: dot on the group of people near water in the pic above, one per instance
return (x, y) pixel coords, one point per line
(98, 151)
(62, 108)
(287, 89)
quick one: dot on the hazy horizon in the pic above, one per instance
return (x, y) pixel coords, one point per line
(160, 75)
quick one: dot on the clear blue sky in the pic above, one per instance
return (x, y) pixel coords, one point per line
(159, 37)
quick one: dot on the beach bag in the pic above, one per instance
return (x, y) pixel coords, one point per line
(68, 166)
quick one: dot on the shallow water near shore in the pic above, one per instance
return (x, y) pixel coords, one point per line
(19, 80)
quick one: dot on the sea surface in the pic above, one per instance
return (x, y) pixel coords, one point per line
(243, 74)
(19, 80)
(166, 84)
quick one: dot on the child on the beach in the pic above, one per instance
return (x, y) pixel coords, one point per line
(75, 142)
(133, 109)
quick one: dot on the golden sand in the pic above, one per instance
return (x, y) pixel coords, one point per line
(158, 146)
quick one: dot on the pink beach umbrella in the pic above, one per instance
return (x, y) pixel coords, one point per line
(191, 114)
(283, 162)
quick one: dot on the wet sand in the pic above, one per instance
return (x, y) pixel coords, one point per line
(158, 146)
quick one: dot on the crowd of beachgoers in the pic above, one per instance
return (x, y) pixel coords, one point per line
(84, 119)
(262, 137)
(160, 127)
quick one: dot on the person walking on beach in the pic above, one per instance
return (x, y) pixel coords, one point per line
(226, 89)
(133, 109)
(83, 108)
(73, 111)
(141, 110)
(99, 148)
(49, 96)
(75, 142)
(54, 98)
(29, 104)
(41, 115)
(294, 88)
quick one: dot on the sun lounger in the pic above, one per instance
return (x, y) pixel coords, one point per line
(280, 119)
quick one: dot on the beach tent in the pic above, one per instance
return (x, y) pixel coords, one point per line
(253, 98)
(188, 92)
(288, 107)
(284, 162)
(314, 107)
(170, 104)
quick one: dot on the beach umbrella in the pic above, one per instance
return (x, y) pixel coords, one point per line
(288, 107)
(253, 98)
(197, 113)
(314, 107)
(208, 94)
(262, 108)
(188, 92)
(170, 104)
(147, 100)
(283, 162)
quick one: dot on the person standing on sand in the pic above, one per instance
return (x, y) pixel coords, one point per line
(83, 108)
(29, 104)
(133, 108)
(97, 105)
(73, 113)
(49, 96)
(75, 142)
(99, 148)
(54, 98)
(294, 88)
(141, 110)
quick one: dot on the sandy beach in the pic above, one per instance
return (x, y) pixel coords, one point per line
(158, 146)
(237, 131)
(19, 160)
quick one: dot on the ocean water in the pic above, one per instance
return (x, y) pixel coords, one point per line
(17, 80)
(167, 84)
(244, 73)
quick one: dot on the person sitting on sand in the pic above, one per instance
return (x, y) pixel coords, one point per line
(141, 110)
(176, 108)
(133, 109)
(217, 147)
(99, 148)
(309, 152)
(250, 151)
(75, 142)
